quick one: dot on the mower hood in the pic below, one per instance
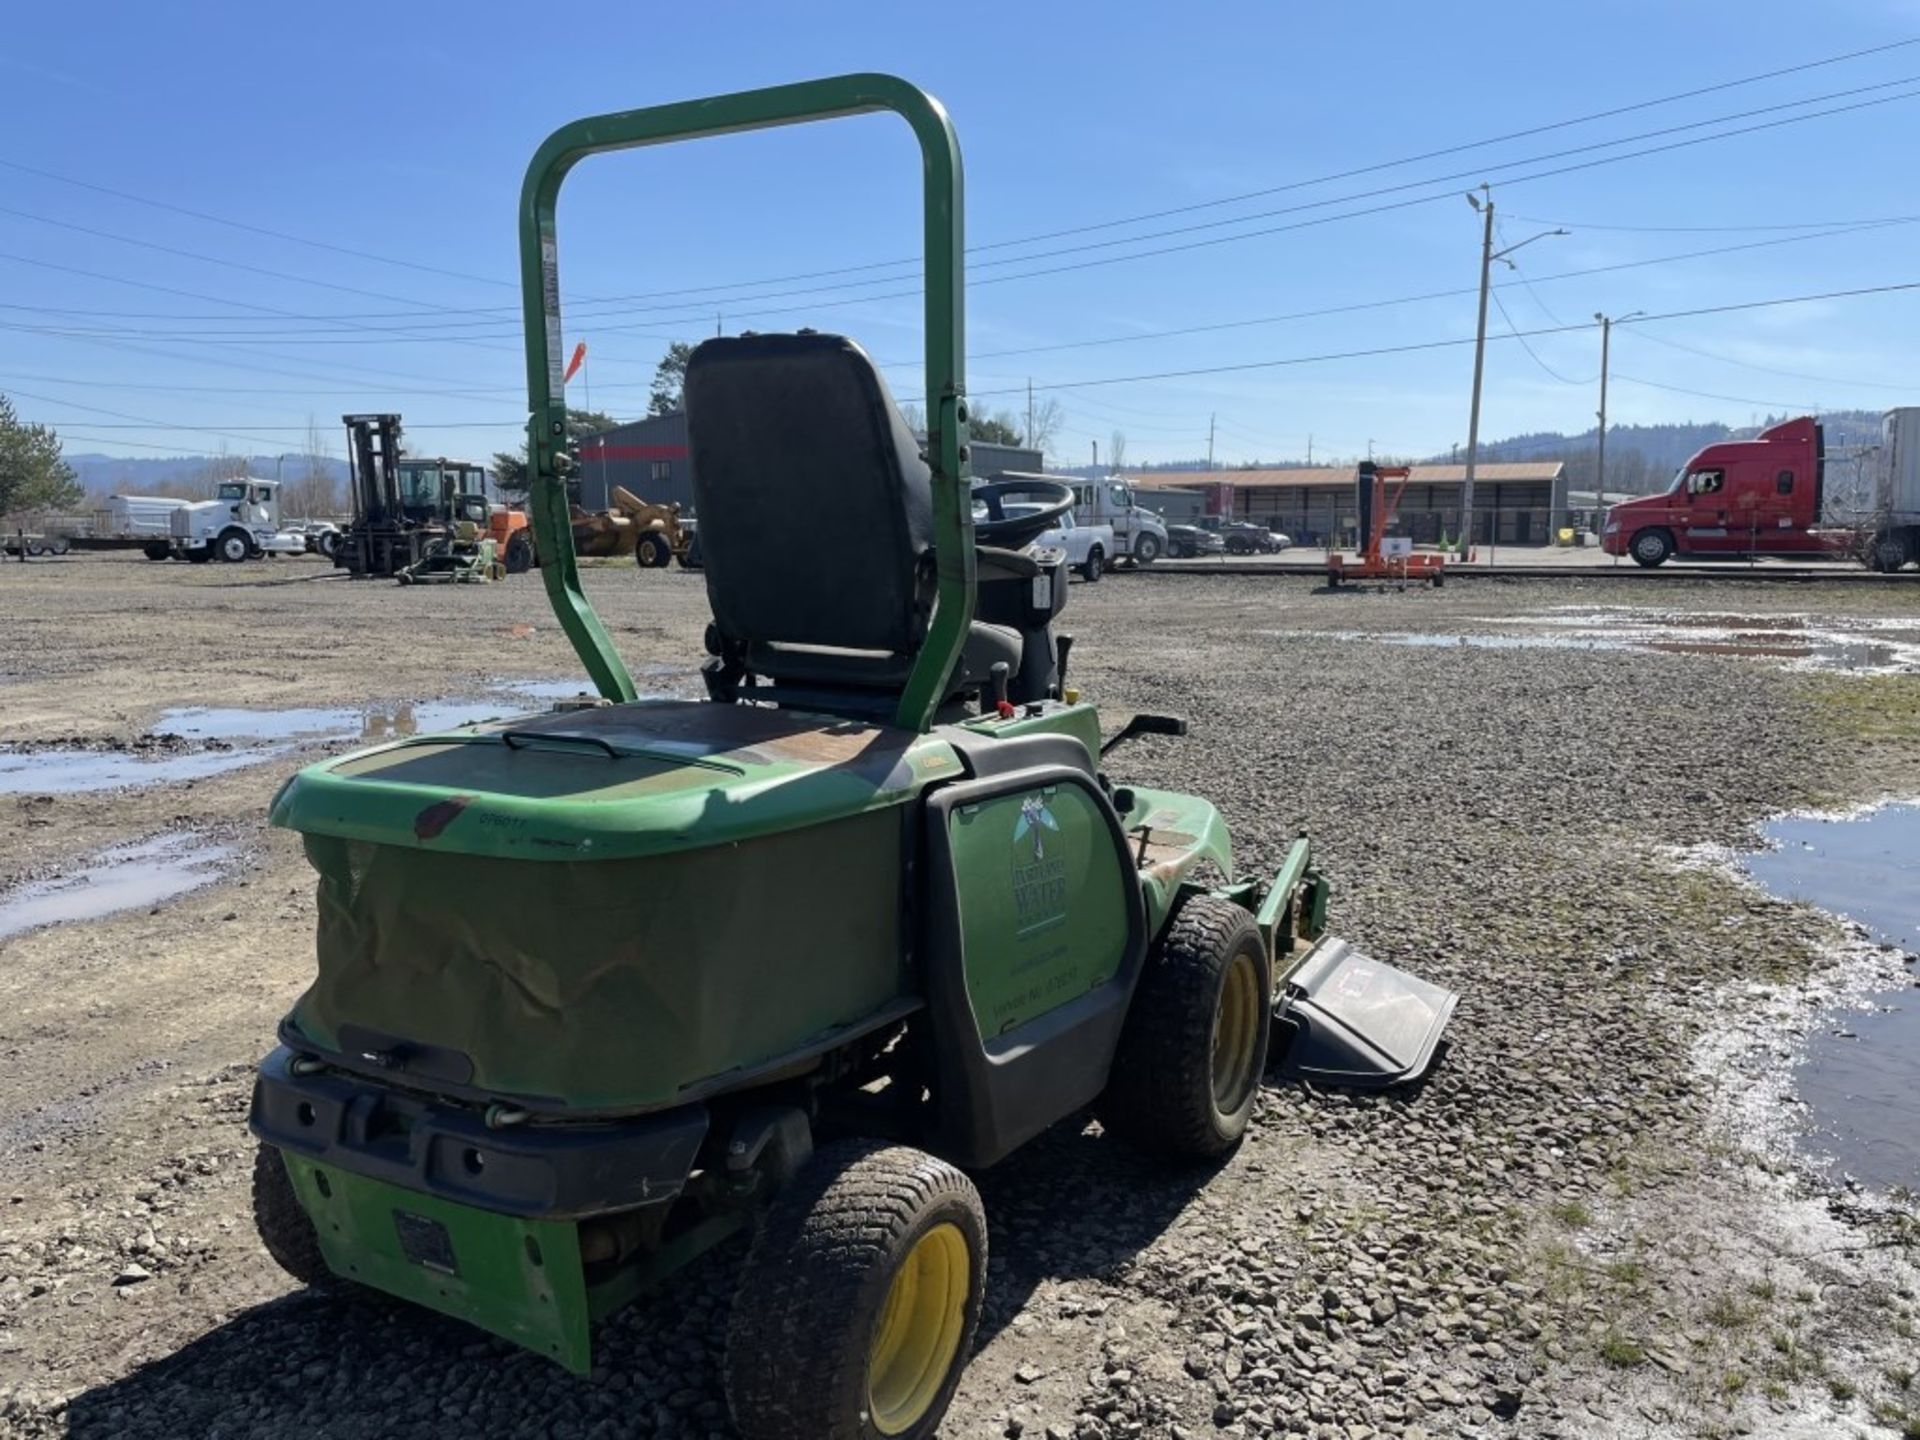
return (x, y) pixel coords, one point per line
(614, 782)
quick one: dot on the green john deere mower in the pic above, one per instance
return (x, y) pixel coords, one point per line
(796, 956)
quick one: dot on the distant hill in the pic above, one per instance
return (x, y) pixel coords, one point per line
(104, 475)
(1640, 458)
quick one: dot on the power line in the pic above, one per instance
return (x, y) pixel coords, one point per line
(1710, 395)
(251, 229)
(1768, 369)
(1532, 354)
(1298, 184)
(1373, 351)
(1455, 293)
(1468, 145)
(1087, 264)
(1367, 353)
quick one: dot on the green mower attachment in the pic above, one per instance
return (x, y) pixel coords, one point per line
(599, 987)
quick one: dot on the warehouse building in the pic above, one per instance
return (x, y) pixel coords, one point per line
(649, 457)
(1515, 503)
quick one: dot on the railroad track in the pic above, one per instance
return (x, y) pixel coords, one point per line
(1772, 574)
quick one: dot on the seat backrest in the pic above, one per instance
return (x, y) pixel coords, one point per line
(815, 508)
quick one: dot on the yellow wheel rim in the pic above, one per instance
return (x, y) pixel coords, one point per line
(918, 1334)
(1236, 1034)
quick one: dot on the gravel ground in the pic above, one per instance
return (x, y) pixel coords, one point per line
(1566, 1231)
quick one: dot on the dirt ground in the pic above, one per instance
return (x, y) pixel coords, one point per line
(1569, 1230)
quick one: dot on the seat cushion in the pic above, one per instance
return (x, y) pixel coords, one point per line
(870, 670)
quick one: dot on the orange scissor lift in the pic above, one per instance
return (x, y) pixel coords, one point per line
(1375, 562)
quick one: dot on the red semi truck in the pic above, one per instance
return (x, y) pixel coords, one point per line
(1769, 496)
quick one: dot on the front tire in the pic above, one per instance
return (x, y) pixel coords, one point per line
(1146, 549)
(651, 551)
(1187, 1070)
(284, 1225)
(858, 1303)
(1095, 567)
(233, 546)
(1651, 548)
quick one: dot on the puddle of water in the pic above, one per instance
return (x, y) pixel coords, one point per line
(247, 737)
(1855, 644)
(1861, 1074)
(72, 772)
(327, 723)
(123, 877)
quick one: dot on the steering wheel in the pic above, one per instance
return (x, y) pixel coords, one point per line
(1012, 532)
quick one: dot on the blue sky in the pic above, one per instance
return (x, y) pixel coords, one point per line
(403, 131)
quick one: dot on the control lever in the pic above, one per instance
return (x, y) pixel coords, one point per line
(1000, 672)
(1061, 645)
(1146, 725)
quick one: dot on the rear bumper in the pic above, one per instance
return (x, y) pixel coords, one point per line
(430, 1147)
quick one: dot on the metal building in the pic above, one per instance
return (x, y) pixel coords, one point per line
(1514, 503)
(648, 456)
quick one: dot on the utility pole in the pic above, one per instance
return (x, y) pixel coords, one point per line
(1096, 455)
(1030, 414)
(1483, 203)
(1369, 447)
(1479, 370)
(1600, 460)
(1210, 420)
(1309, 447)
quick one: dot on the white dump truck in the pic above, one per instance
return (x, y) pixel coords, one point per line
(241, 521)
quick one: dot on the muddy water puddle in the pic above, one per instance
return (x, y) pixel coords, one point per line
(211, 740)
(122, 877)
(1865, 645)
(1860, 1078)
(1860, 646)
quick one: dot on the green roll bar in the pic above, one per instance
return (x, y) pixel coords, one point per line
(946, 345)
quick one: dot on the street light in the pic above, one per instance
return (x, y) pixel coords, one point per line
(1487, 256)
(1600, 461)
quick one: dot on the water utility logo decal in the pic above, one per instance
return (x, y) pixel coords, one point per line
(1035, 820)
(1039, 879)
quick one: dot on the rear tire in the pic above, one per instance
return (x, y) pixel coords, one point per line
(651, 551)
(285, 1228)
(857, 1305)
(1095, 567)
(200, 556)
(519, 553)
(1187, 1070)
(1651, 548)
(157, 550)
(1891, 552)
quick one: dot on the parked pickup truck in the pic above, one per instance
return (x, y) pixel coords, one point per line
(1089, 547)
(1772, 495)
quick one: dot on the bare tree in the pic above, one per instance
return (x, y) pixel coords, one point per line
(1117, 450)
(312, 494)
(1043, 424)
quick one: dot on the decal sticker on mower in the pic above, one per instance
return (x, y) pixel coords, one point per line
(425, 1242)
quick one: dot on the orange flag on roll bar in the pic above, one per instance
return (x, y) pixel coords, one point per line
(579, 359)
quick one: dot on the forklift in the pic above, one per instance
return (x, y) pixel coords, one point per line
(406, 507)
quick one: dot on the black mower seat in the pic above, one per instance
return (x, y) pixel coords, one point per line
(816, 516)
